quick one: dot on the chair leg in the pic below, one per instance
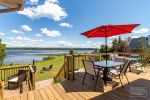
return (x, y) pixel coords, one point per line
(145, 70)
(83, 79)
(127, 79)
(8, 85)
(120, 81)
(95, 82)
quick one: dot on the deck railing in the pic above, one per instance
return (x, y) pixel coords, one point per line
(8, 71)
(74, 62)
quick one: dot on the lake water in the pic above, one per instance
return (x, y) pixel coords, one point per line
(27, 56)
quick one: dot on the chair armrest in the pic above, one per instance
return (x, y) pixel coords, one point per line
(12, 76)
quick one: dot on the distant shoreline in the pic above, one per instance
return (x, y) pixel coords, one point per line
(34, 48)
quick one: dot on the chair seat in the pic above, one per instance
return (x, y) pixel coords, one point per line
(137, 64)
(13, 79)
(113, 71)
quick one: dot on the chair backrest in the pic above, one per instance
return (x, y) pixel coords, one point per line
(134, 56)
(89, 67)
(145, 61)
(92, 58)
(112, 57)
(119, 59)
(20, 72)
(50, 66)
(21, 78)
(125, 67)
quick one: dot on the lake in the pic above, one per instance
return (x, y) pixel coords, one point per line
(27, 56)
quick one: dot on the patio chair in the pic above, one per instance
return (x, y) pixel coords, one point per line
(92, 58)
(17, 79)
(46, 69)
(140, 65)
(121, 72)
(90, 70)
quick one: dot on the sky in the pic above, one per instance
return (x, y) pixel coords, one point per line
(59, 23)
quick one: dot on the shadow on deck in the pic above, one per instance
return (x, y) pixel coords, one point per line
(138, 89)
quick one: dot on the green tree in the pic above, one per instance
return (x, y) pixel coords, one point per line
(103, 49)
(2, 52)
(120, 45)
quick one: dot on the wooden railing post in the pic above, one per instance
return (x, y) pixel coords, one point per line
(1, 89)
(32, 78)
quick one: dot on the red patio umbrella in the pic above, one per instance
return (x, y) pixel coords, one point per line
(109, 30)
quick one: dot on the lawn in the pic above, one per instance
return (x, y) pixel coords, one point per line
(57, 64)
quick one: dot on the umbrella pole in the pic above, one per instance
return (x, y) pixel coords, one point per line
(106, 43)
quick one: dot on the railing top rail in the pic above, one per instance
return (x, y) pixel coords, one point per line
(31, 69)
(5, 68)
(90, 54)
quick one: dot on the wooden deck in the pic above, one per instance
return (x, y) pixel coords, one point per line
(73, 90)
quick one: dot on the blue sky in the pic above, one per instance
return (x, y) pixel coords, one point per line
(59, 23)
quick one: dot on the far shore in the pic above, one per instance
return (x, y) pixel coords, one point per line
(37, 48)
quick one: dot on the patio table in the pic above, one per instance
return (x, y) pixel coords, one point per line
(106, 65)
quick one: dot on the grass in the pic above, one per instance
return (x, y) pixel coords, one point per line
(57, 64)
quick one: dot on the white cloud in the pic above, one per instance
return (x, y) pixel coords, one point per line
(19, 38)
(67, 25)
(2, 34)
(49, 9)
(16, 31)
(21, 41)
(65, 43)
(32, 2)
(51, 33)
(52, 1)
(143, 30)
(26, 28)
(38, 35)
(90, 44)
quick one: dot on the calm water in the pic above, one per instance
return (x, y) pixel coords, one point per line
(26, 56)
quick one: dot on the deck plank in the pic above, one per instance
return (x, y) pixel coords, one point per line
(24, 96)
(49, 93)
(31, 95)
(57, 95)
(37, 95)
(17, 97)
(43, 94)
(70, 94)
(61, 92)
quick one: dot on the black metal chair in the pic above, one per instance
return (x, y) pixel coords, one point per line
(122, 72)
(46, 69)
(17, 79)
(90, 70)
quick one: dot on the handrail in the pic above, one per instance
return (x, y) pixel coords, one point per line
(57, 77)
(5, 68)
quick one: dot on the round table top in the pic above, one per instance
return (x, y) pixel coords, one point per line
(108, 63)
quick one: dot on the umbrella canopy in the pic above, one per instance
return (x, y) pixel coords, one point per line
(109, 30)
